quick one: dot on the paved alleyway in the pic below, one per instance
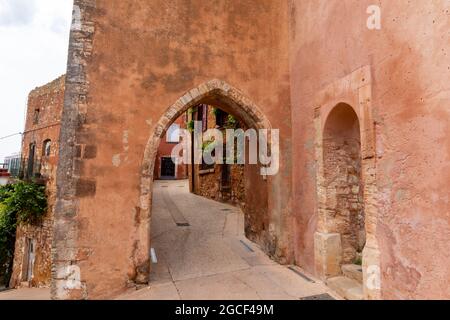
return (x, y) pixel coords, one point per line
(208, 259)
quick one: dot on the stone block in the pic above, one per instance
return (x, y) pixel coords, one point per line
(85, 188)
(371, 273)
(353, 272)
(347, 288)
(327, 254)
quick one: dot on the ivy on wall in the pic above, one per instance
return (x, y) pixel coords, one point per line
(22, 202)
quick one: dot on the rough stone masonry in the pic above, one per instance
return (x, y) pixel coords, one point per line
(40, 145)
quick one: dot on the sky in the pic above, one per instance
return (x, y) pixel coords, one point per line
(34, 40)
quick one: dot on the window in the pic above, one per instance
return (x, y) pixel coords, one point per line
(36, 116)
(221, 117)
(202, 115)
(47, 148)
(173, 133)
(30, 166)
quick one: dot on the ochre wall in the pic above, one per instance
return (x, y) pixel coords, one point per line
(409, 62)
(128, 62)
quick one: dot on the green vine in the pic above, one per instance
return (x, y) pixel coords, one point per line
(231, 122)
(208, 146)
(190, 126)
(215, 111)
(27, 201)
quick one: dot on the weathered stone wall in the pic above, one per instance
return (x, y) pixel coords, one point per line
(237, 175)
(41, 234)
(206, 182)
(209, 180)
(49, 100)
(408, 60)
(344, 190)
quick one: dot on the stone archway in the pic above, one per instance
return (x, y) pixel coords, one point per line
(343, 211)
(348, 98)
(215, 92)
(343, 206)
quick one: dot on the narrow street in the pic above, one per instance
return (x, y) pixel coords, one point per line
(202, 253)
(211, 258)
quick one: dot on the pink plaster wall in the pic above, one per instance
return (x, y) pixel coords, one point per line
(409, 60)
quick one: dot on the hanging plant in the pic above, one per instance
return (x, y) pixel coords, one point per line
(215, 111)
(190, 126)
(231, 122)
(208, 146)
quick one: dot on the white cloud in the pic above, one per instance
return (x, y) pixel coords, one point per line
(16, 12)
(34, 52)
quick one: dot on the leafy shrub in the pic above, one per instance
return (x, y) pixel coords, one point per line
(231, 122)
(27, 201)
(22, 202)
(191, 126)
(7, 241)
(215, 111)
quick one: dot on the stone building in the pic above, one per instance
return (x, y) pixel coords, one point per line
(222, 182)
(32, 256)
(362, 114)
(165, 167)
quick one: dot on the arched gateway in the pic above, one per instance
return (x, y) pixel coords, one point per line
(215, 92)
(118, 102)
(68, 277)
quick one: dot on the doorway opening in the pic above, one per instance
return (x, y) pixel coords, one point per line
(214, 100)
(28, 260)
(341, 236)
(31, 161)
(344, 189)
(167, 168)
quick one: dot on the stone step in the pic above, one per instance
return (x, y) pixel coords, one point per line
(347, 288)
(353, 271)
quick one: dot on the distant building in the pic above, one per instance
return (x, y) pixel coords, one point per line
(13, 164)
(4, 176)
(32, 256)
(165, 167)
